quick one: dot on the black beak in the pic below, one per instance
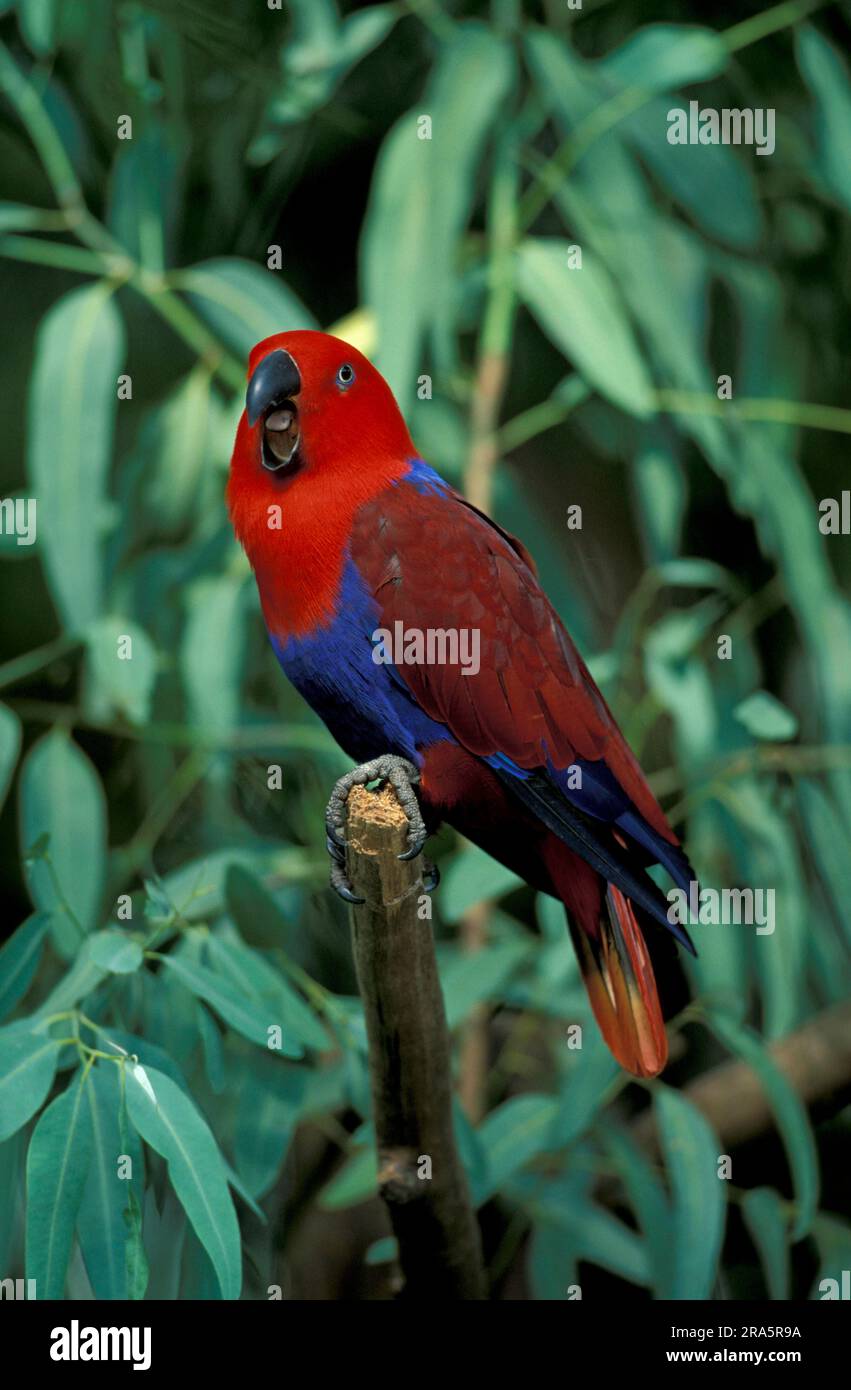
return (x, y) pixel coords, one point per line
(275, 380)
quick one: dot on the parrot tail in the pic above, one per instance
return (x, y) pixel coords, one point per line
(621, 986)
(615, 963)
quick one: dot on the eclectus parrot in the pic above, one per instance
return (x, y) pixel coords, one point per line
(349, 533)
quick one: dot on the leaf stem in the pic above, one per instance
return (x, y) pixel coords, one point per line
(20, 667)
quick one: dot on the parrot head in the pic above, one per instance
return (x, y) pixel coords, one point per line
(315, 405)
(321, 434)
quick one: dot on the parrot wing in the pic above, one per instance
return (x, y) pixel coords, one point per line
(532, 710)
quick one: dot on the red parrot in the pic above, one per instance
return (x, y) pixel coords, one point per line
(355, 543)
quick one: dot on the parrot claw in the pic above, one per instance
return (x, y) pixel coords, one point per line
(339, 877)
(402, 776)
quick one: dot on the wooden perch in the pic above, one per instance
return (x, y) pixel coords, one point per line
(409, 1059)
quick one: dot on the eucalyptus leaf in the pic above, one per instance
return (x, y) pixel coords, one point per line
(115, 951)
(57, 1166)
(249, 1015)
(826, 74)
(765, 717)
(61, 797)
(659, 57)
(73, 397)
(580, 311)
(19, 960)
(115, 1181)
(121, 669)
(10, 746)
(792, 1120)
(27, 1067)
(690, 1151)
(167, 1120)
(762, 1210)
(243, 302)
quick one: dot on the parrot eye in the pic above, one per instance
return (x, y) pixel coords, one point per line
(345, 375)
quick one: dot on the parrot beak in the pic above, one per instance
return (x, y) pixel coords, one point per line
(273, 384)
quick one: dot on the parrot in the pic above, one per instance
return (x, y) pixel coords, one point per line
(351, 536)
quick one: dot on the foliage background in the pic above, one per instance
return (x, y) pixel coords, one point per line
(254, 128)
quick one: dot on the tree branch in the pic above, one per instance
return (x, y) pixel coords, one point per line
(409, 1060)
(815, 1060)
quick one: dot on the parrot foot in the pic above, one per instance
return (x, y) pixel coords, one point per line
(401, 775)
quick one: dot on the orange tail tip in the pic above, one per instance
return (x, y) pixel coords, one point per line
(622, 989)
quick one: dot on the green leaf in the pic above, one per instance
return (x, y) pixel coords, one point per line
(318, 54)
(711, 182)
(197, 889)
(211, 1043)
(830, 841)
(212, 651)
(19, 959)
(170, 1123)
(142, 189)
(762, 1210)
(765, 717)
(79, 349)
(394, 249)
(826, 75)
(268, 1110)
(417, 213)
(471, 85)
(27, 1067)
(198, 1282)
(832, 1235)
(355, 1182)
(115, 951)
(80, 980)
(57, 1166)
(581, 313)
(648, 1200)
(11, 1195)
(660, 487)
(768, 852)
(149, 1054)
(516, 1132)
(382, 1251)
(121, 670)
(595, 1235)
(252, 907)
(37, 19)
(690, 1150)
(587, 1076)
(247, 1015)
(791, 1116)
(102, 1224)
(470, 978)
(135, 1256)
(56, 777)
(243, 302)
(472, 1153)
(262, 983)
(473, 877)
(660, 57)
(10, 747)
(552, 1263)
